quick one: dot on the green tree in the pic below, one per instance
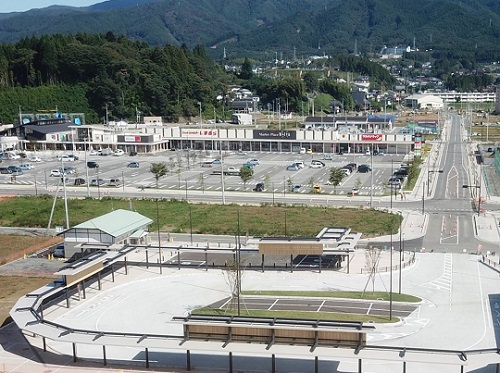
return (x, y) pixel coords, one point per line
(336, 176)
(246, 173)
(246, 70)
(267, 181)
(311, 182)
(322, 102)
(158, 170)
(201, 181)
(289, 183)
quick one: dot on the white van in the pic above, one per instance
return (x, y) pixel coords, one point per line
(300, 164)
(207, 163)
(10, 155)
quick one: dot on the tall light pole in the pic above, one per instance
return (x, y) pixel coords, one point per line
(65, 195)
(423, 198)
(86, 166)
(222, 173)
(371, 177)
(201, 119)
(400, 250)
(390, 281)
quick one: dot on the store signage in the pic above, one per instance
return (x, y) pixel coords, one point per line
(199, 133)
(274, 135)
(371, 137)
(132, 138)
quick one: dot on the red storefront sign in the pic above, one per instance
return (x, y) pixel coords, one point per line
(371, 137)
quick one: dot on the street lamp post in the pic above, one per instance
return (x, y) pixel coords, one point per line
(400, 250)
(390, 281)
(201, 119)
(429, 180)
(423, 198)
(478, 196)
(86, 166)
(371, 177)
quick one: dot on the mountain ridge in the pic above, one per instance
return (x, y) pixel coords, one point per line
(260, 26)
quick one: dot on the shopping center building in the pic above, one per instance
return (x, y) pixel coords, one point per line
(320, 134)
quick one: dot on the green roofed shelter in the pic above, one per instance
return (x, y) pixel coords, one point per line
(116, 227)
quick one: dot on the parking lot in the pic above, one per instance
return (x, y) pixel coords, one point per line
(191, 170)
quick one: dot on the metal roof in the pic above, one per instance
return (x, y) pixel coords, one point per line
(117, 222)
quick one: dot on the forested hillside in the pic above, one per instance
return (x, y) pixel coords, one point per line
(291, 28)
(87, 73)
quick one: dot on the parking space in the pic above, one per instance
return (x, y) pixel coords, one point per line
(189, 170)
(321, 305)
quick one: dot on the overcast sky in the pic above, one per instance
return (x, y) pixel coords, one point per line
(7, 6)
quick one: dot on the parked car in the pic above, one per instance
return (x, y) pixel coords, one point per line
(92, 164)
(260, 187)
(80, 181)
(115, 182)
(107, 151)
(316, 164)
(118, 152)
(59, 251)
(296, 188)
(394, 181)
(26, 166)
(15, 169)
(74, 157)
(346, 170)
(35, 159)
(56, 173)
(69, 170)
(10, 155)
(133, 153)
(133, 165)
(5, 170)
(309, 151)
(300, 164)
(292, 167)
(232, 171)
(327, 157)
(97, 182)
(249, 165)
(352, 165)
(254, 161)
(402, 171)
(217, 161)
(93, 152)
(65, 158)
(364, 168)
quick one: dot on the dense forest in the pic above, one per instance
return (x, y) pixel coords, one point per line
(94, 73)
(111, 77)
(98, 74)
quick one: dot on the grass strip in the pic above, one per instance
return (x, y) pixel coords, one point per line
(377, 295)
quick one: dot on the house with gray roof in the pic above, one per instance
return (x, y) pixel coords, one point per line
(115, 228)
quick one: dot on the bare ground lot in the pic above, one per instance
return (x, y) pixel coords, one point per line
(21, 279)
